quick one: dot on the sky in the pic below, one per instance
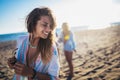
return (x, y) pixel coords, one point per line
(94, 14)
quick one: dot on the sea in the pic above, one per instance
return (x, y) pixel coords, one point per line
(15, 36)
(11, 36)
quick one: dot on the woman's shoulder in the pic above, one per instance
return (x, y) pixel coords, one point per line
(21, 39)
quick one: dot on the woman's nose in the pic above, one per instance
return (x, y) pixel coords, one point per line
(48, 28)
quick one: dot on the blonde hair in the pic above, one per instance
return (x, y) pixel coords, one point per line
(65, 26)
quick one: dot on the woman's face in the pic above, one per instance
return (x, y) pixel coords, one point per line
(65, 27)
(43, 27)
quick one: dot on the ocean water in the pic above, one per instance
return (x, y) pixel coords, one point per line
(15, 36)
(11, 36)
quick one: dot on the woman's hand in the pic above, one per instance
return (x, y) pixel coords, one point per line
(23, 70)
(11, 62)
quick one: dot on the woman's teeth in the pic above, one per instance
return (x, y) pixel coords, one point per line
(45, 33)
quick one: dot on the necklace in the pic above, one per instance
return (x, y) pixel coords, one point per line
(32, 45)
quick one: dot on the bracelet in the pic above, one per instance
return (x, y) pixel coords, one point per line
(34, 75)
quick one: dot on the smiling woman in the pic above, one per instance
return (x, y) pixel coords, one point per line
(37, 57)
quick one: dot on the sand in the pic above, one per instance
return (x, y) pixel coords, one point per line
(97, 56)
(6, 49)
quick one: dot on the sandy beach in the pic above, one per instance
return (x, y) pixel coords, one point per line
(97, 56)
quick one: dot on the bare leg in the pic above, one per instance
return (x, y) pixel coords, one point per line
(68, 56)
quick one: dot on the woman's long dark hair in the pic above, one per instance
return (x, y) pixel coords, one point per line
(44, 45)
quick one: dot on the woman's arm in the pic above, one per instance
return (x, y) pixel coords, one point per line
(60, 38)
(54, 66)
(23, 70)
(73, 40)
(41, 76)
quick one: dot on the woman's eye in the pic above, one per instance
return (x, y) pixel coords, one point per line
(45, 25)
